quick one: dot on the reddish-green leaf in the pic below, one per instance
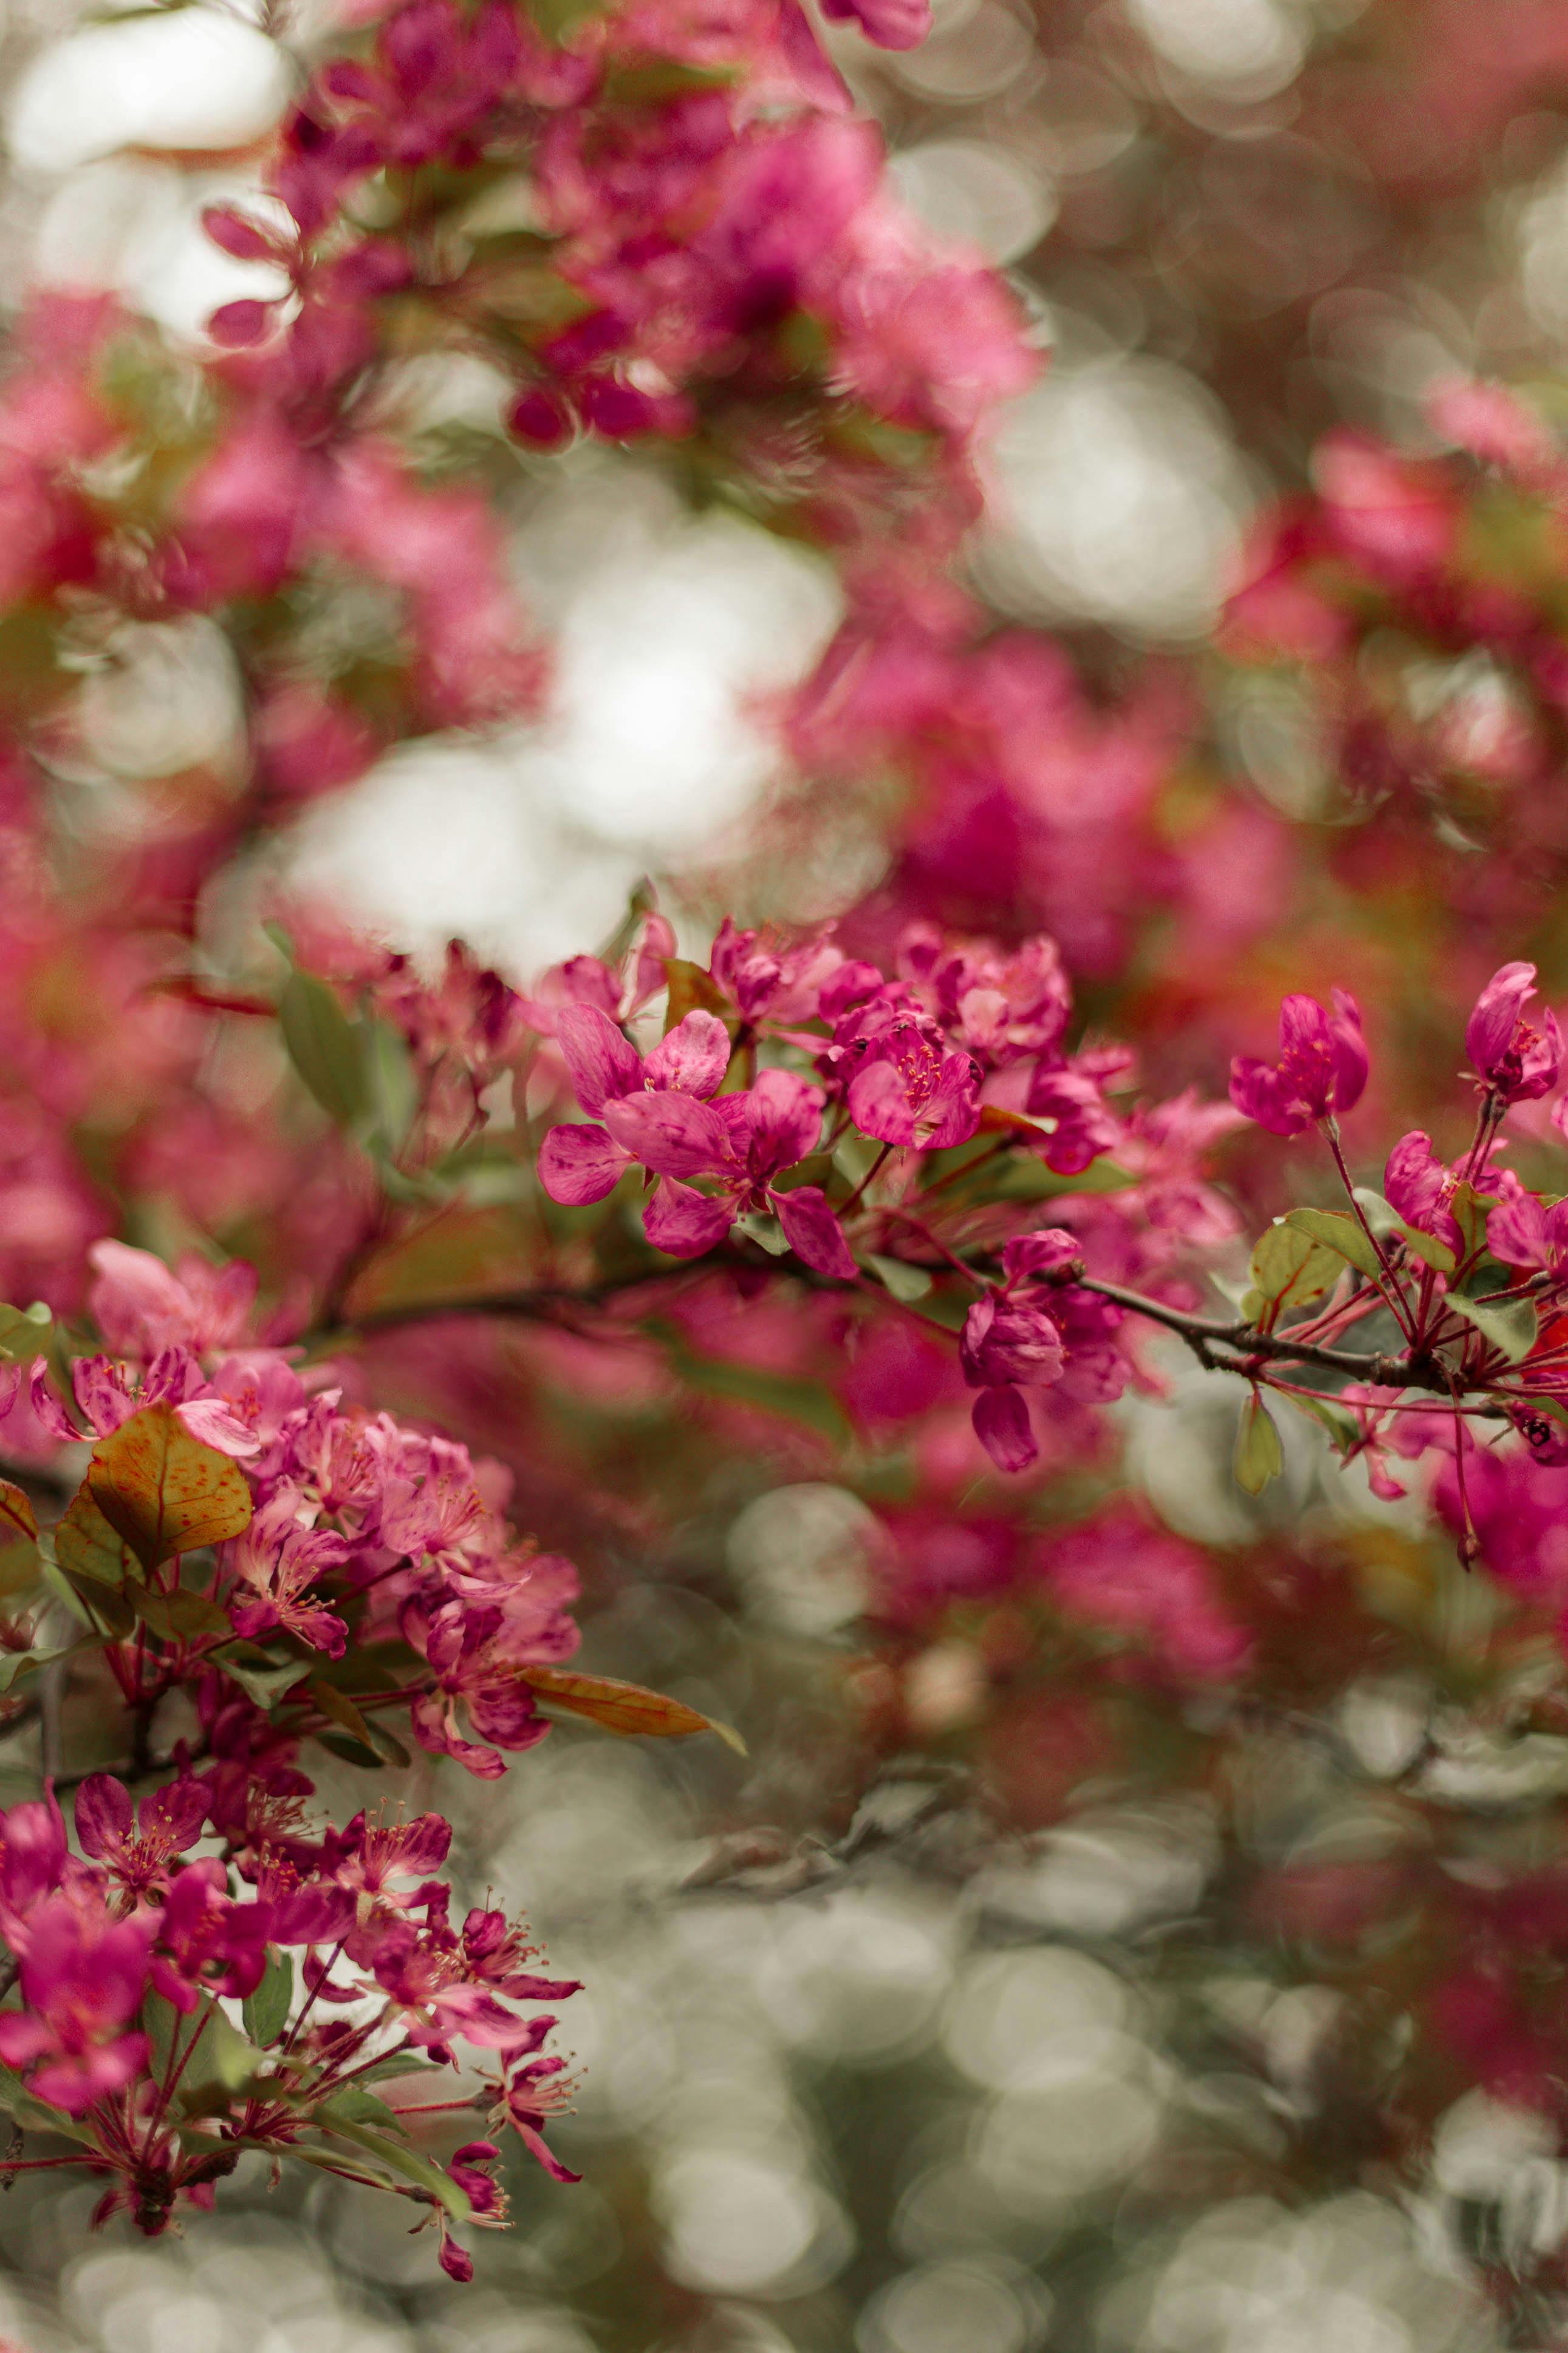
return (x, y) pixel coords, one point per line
(19, 1539)
(87, 1545)
(626, 1708)
(163, 1490)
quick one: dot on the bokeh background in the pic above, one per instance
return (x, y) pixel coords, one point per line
(875, 2074)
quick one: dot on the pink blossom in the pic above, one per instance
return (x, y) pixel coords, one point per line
(1514, 1059)
(274, 1564)
(82, 1979)
(138, 1845)
(207, 1943)
(1322, 1067)
(1418, 1186)
(903, 1085)
(141, 1308)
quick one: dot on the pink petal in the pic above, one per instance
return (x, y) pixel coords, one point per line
(47, 1408)
(878, 1104)
(103, 1815)
(682, 1222)
(1001, 1421)
(211, 1419)
(602, 1062)
(672, 1134)
(579, 1165)
(813, 1232)
(693, 1056)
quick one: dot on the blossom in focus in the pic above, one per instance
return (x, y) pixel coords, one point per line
(1322, 1070)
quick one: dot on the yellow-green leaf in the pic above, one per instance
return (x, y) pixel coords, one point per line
(1508, 1324)
(626, 1708)
(163, 1490)
(1260, 1456)
(87, 1545)
(1289, 1268)
(1341, 1234)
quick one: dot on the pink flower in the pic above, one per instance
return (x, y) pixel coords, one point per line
(466, 1648)
(141, 1308)
(82, 1979)
(206, 1942)
(1322, 1070)
(905, 1086)
(1514, 1059)
(1419, 1186)
(1008, 1341)
(741, 1143)
(1522, 1232)
(581, 1163)
(274, 1564)
(109, 1393)
(138, 1847)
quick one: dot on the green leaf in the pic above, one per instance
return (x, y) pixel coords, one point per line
(1388, 1225)
(15, 1666)
(325, 1047)
(87, 1545)
(394, 1083)
(1339, 1423)
(766, 1232)
(355, 2106)
(164, 1491)
(1470, 1212)
(438, 2185)
(406, 2062)
(55, 1583)
(1508, 1325)
(265, 1684)
(905, 1281)
(25, 1332)
(265, 2011)
(352, 1751)
(170, 1615)
(1289, 1268)
(1341, 1234)
(36, 2115)
(220, 2057)
(365, 1737)
(1260, 1456)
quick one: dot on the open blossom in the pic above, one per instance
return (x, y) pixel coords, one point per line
(141, 1307)
(1000, 1005)
(82, 1979)
(138, 1845)
(275, 1563)
(108, 1393)
(1522, 1232)
(1515, 1058)
(1322, 1068)
(902, 1084)
(583, 1163)
(740, 1143)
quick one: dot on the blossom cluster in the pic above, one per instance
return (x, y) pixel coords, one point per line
(289, 1568)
